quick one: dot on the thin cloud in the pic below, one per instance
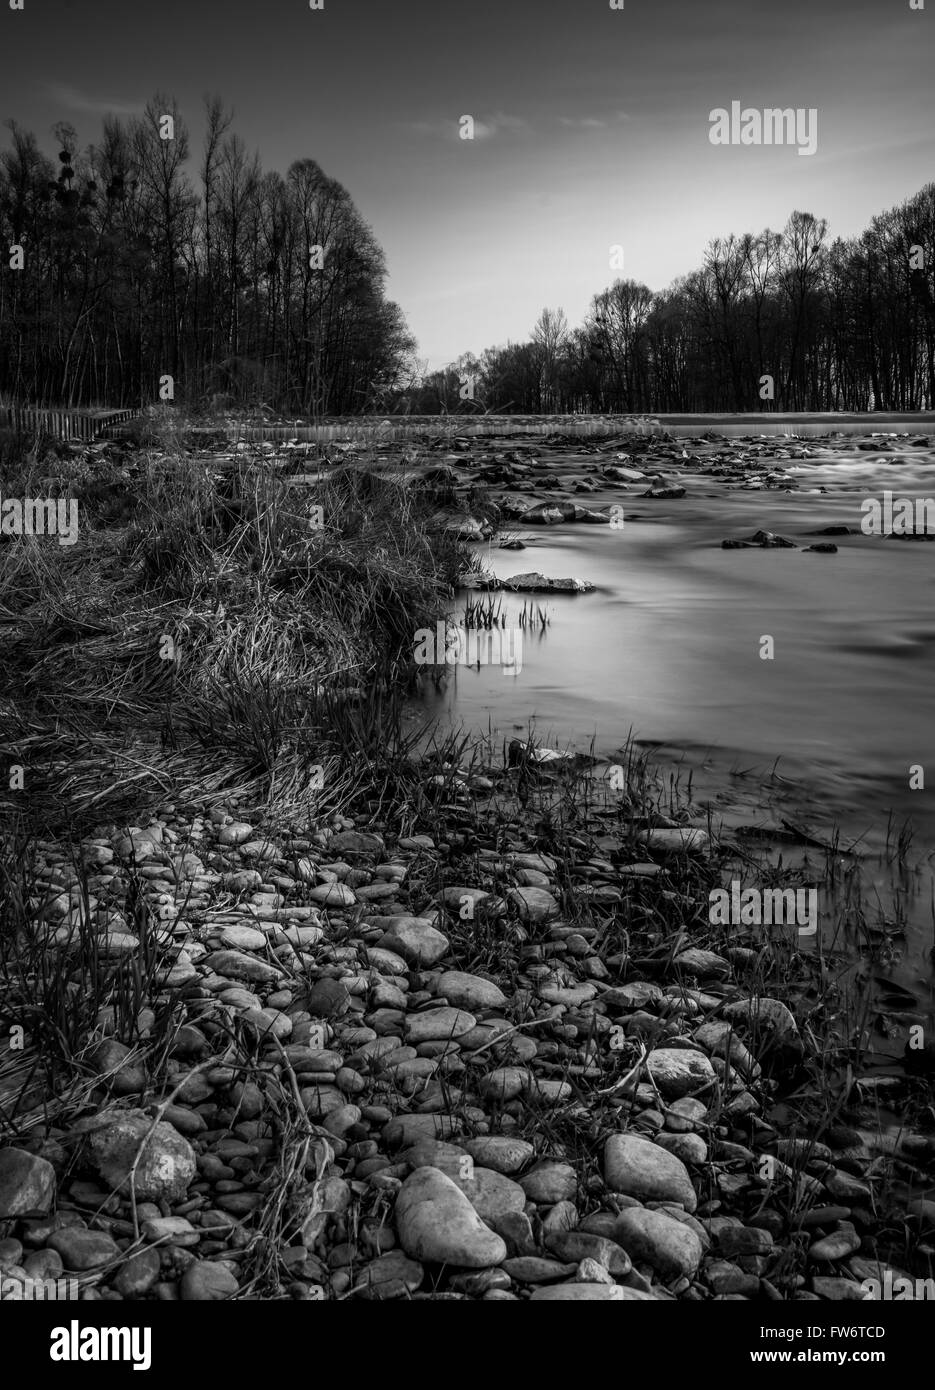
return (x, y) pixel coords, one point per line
(73, 100)
(499, 123)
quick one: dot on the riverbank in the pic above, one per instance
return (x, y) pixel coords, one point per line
(340, 1017)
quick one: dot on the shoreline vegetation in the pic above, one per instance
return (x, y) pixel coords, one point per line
(299, 1002)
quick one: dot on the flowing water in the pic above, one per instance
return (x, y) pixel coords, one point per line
(668, 648)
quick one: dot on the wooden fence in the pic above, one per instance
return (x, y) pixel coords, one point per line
(83, 425)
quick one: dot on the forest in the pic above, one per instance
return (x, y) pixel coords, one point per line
(252, 289)
(837, 325)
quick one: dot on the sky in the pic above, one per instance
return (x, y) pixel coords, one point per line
(591, 125)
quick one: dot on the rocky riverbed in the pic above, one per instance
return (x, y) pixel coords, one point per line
(382, 1067)
(496, 1051)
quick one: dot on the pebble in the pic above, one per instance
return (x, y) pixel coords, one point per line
(680, 1072)
(207, 1282)
(549, 1182)
(167, 1164)
(82, 1250)
(642, 1169)
(500, 1152)
(651, 1237)
(27, 1184)
(469, 991)
(435, 1221)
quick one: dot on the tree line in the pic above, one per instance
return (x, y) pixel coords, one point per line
(256, 289)
(784, 320)
(251, 288)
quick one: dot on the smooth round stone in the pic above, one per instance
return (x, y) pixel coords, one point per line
(469, 991)
(562, 1217)
(640, 1168)
(238, 998)
(320, 1101)
(550, 1182)
(542, 1091)
(537, 1269)
(457, 896)
(480, 1282)
(770, 1016)
(11, 1252)
(576, 1246)
(435, 1221)
(27, 1184)
(305, 871)
(491, 1194)
(236, 833)
(409, 1129)
(838, 1289)
(680, 1072)
(534, 904)
(416, 939)
(532, 878)
(259, 849)
(516, 1049)
(43, 1264)
(206, 1282)
(167, 1165)
(242, 880)
(571, 996)
(117, 943)
(387, 962)
(505, 1083)
(392, 1275)
(236, 965)
(178, 1229)
(701, 965)
(690, 1148)
(589, 1293)
(82, 1249)
(334, 894)
(243, 938)
(302, 937)
(268, 1022)
(340, 1120)
(649, 1237)
(544, 863)
(500, 1152)
(683, 1115)
(837, 1246)
(451, 1159)
(138, 1275)
(438, 1023)
(676, 840)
